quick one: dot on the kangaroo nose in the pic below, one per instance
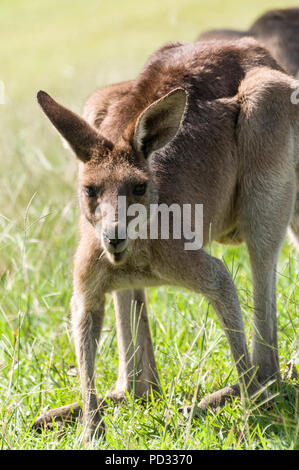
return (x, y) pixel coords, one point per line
(114, 243)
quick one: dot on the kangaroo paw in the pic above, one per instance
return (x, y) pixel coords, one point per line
(215, 400)
(65, 414)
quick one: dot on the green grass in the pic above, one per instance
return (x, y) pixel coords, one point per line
(69, 48)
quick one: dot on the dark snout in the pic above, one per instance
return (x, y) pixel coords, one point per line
(114, 245)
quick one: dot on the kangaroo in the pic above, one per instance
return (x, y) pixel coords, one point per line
(209, 123)
(277, 30)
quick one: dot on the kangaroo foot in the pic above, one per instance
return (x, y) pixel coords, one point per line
(213, 401)
(118, 396)
(64, 415)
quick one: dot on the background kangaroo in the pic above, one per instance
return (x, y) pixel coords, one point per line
(277, 30)
(184, 131)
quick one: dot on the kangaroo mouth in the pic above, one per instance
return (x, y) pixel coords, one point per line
(116, 250)
(118, 257)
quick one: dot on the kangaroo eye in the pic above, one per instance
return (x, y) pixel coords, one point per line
(139, 189)
(90, 191)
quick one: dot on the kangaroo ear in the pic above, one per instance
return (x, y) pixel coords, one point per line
(159, 123)
(82, 138)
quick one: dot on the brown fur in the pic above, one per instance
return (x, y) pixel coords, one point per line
(233, 150)
(277, 30)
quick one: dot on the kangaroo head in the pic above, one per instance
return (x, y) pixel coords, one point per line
(114, 176)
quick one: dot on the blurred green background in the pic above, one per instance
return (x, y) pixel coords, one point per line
(69, 48)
